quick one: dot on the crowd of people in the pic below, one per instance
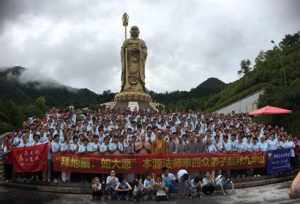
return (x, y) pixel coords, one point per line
(158, 187)
(109, 132)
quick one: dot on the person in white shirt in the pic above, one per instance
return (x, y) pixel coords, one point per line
(240, 147)
(211, 146)
(263, 145)
(17, 140)
(82, 147)
(272, 143)
(255, 145)
(65, 147)
(103, 148)
(111, 183)
(74, 144)
(120, 145)
(92, 146)
(55, 147)
(36, 139)
(289, 144)
(227, 145)
(112, 146)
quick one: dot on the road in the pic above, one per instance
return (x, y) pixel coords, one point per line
(272, 194)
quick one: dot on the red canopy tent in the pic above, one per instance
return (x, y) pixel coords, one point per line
(270, 110)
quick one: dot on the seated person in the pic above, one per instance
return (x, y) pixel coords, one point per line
(195, 187)
(207, 185)
(168, 179)
(123, 189)
(138, 188)
(148, 186)
(111, 183)
(96, 189)
(161, 190)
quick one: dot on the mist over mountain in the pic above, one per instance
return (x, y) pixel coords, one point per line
(22, 86)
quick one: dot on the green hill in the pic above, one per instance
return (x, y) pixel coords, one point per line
(189, 100)
(11, 88)
(277, 71)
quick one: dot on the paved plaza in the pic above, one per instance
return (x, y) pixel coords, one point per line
(274, 193)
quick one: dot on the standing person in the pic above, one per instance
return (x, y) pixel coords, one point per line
(103, 147)
(82, 147)
(55, 147)
(159, 145)
(289, 144)
(92, 146)
(65, 147)
(172, 145)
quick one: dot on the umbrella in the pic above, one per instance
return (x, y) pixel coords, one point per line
(270, 110)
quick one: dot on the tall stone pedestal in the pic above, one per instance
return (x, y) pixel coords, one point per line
(132, 100)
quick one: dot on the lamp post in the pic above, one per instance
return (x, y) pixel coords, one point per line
(285, 82)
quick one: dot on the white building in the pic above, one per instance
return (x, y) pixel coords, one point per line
(244, 105)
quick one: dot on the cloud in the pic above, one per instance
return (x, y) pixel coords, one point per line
(77, 43)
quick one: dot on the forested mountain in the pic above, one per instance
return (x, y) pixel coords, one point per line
(189, 100)
(12, 88)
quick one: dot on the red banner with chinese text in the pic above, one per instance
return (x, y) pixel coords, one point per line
(30, 159)
(96, 163)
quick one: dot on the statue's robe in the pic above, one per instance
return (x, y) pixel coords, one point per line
(133, 56)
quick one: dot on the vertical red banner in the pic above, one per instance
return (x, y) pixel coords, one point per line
(30, 159)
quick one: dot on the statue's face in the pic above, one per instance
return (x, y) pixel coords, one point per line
(134, 32)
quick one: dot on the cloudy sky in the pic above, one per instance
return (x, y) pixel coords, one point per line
(77, 42)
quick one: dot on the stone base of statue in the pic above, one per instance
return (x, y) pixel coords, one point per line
(133, 100)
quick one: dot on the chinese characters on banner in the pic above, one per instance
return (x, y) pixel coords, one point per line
(278, 161)
(93, 163)
(30, 159)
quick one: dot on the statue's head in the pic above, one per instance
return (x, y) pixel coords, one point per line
(134, 32)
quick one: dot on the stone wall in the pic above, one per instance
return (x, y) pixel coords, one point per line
(243, 105)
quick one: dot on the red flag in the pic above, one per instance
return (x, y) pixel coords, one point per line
(30, 159)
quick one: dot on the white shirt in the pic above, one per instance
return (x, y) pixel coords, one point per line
(81, 148)
(212, 148)
(263, 146)
(73, 147)
(291, 145)
(272, 144)
(92, 147)
(228, 146)
(17, 141)
(64, 147)
(55, 147)
(112, 147)
(103, 147)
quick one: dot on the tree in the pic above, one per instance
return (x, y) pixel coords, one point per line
(40, 106)
(245, 67)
